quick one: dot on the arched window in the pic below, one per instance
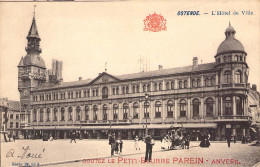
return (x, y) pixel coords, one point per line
(144, 88)
(127, 89)
(78, 113)
(86, 113)
(123, 90)
(125, 110)
(207, 81)
(225, 59)
(34, 115)
(240, 58)
(104, 92)
(117, 90)
(105, 112)
(41, 115)
(183, 108)
(88, 93)
(77, 94)
(158, 109)
(160, 86)
(239, 106)
(48, 114)
(146, 109)
(136, 110)
(95, 109)
(227, 77)
(198, 83)
(236, 58)
(113, 91)
(238, 77)
(209, 107)
(97, 92)
(133, 89)
(227, 106)
(196, 107)
(185, 84)
(212, 80)
(229, 58)
(180, 84)
(55, 114)
(167, 86)
(170, 107)
(194, 84)
(70, 113)
(115, 111)
(172, 85)
(62, 113)
(148, 87)
(155, 86)
(85, 93)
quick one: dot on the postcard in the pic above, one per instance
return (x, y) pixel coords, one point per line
(130, 83)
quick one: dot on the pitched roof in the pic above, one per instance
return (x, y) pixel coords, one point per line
(156, 73)
(14, 105)
(33, 30)
(170, 71)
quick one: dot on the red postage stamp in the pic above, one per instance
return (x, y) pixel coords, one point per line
(155, 23)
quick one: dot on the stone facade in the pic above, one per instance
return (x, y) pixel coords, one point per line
(200, 98)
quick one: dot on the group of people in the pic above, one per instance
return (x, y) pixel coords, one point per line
(171, 140)
(205, 140)
(116, 145)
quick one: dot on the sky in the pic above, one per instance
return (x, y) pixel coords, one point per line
(86, 35)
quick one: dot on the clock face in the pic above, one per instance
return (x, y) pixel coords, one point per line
(104, 78)
(25, 93)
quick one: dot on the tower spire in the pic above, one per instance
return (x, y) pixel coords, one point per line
(34, 12)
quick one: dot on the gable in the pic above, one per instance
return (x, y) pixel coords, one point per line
(104, 78)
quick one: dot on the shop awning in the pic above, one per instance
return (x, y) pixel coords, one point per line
(114, 127)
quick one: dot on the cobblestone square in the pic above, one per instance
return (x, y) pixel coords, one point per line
(86, 152)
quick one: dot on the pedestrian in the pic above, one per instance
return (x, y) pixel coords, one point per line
(73, 136)
(51, 138)
(164, 143)
(121, 146)
(228, 140)
(235, 139)
(187, 142)
(112, 144)
(137, 143)
(149, 148)
(14, 138)
(116, 146)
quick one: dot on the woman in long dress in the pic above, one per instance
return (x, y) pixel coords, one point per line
(137, 143)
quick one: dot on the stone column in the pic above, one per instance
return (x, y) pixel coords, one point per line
(176, 109)
(82, 113)
(175, 84)
(90, 112)
(66, 94)
(140, 87)
(221, 105)
(44, 115)
(202, 81)
(73, 114)
(163, 85)
(202, 107)
(164, 108)
(31, 119)
(189, 85)
(234, 106)
(189, 109)
(216, 106)
(151, 86)
(51, 115)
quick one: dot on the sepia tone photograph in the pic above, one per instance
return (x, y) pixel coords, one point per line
(130, 83)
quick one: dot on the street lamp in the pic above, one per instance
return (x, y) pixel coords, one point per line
(145, 106)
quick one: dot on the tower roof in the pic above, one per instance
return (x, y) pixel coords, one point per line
(21, 62)
(230, 44)
(33, 30)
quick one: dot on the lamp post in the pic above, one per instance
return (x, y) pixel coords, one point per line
(145, 106)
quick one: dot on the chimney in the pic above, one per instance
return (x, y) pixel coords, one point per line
(160, 67)
(254, 87)
(195, 62)
(80, 78)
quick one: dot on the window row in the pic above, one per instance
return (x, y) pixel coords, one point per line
(229, 58)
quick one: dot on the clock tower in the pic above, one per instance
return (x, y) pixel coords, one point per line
(31, 69)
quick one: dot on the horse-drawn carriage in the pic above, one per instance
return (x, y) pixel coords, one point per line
(175, 139)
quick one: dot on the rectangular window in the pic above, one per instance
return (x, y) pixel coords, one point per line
(17, 125)
(17, 116)
(11, 124)
(11, 116)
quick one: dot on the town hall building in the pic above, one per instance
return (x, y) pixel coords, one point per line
(200, 98)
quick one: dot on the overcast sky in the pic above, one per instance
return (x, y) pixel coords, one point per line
(86, 35)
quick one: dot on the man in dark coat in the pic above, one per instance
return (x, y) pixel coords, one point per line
(228, 140)
(149, 148)
(112, 142)
(73, 136)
